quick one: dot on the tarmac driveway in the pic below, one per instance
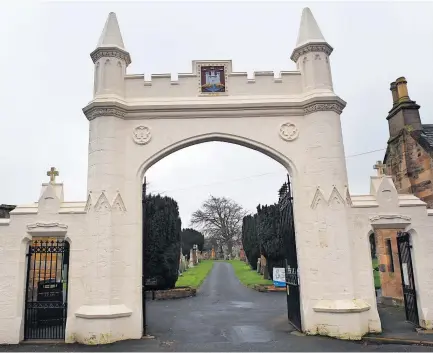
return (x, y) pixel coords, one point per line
(224, 316)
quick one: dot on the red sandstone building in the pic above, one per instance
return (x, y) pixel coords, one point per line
(409, 160)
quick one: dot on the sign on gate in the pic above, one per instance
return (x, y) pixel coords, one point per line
(279, 277)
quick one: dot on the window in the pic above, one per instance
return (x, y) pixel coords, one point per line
(389, 252)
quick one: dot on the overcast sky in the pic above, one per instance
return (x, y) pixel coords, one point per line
(46, 78)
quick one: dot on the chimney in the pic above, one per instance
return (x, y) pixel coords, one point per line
(405, 112)
(402, 92)
(393, 89)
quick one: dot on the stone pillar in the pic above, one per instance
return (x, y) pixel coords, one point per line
(323, 225)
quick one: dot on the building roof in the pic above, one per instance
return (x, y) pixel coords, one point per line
(427, 134)
(424, 139)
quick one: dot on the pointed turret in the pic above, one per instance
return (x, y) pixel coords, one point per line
(111, 35)
(309, 31)
(311, 54)
(111, 60)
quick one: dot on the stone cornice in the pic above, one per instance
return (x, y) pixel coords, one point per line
(400, 106)
(228, 109)
(46, 225)
(49, 228)
(390, 221)
(320, 107)
(108, 110)
(311, 47)
(110, 52)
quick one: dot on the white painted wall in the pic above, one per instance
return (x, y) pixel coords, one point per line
(384, 208)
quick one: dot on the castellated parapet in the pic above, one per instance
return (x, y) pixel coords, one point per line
(238, 83)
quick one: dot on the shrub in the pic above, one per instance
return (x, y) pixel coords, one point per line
(190, 237)
(162, 244)
(250, 240)
(270, 238)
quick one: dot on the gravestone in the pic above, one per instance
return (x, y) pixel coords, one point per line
(194, 254)
(191, 258)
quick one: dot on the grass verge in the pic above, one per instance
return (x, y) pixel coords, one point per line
(195, 276)
(246, 275)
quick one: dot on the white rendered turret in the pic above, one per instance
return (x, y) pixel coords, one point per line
(311, 55)
(110, 59)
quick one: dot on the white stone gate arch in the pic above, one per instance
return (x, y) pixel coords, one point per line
(293, 117)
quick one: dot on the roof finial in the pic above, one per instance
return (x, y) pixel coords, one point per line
(380, 167)
(111, 35)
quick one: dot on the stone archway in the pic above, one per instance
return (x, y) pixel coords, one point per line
(294, 119)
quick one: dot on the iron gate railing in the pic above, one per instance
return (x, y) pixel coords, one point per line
(407, 277)
(144, 245)
(46, 298)
(287, 227)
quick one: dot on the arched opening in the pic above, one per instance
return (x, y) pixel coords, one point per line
(46, 288)
(219, 137)
(375, 262)
(179, 165)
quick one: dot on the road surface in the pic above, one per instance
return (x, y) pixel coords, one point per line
(224, 316)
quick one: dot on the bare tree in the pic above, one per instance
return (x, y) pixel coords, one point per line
(220, 219)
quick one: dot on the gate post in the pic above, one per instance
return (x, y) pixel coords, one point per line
(331, 304)
(13, 266)
(107, 283)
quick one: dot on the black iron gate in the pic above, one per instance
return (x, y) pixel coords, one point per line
(291, 261)
(144, 237)
(407, 278)
(46, 298)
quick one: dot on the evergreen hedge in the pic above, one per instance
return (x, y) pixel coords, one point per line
(163, 241)
(270, 237)
(262, 234)
(250, 240)
(190, 237)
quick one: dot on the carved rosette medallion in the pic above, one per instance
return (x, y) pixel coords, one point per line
(141, 135)
(289, 131)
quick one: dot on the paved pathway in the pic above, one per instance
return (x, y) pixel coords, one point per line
(224, 316)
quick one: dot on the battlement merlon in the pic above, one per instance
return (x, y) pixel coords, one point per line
(212, 77)
(192, 84)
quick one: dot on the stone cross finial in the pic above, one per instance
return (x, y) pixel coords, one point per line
(52, 173)
(380, 167)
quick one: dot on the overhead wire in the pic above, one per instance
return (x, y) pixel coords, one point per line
(254, 176)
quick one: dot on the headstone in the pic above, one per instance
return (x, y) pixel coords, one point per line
(191, 258)
(180, 262)
(242, 254)
(194, 254)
